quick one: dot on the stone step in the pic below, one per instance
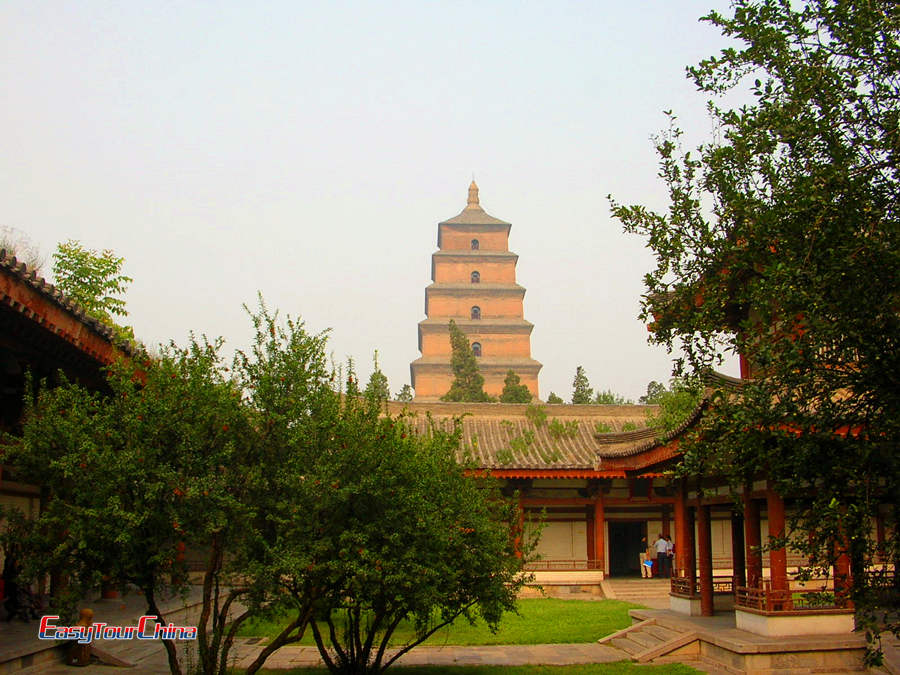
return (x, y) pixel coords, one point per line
(644, 638)
(627, 645)
(662, 632)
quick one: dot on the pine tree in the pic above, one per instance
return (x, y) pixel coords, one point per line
(553, 398)
(405, 395)
(378, 383)
(513, 390)
(581, 388)
(468, 384)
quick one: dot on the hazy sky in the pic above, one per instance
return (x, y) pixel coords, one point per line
(308, 151)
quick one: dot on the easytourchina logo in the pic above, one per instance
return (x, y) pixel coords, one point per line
(147, 628)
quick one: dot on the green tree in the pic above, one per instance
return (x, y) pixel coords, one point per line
(581, 388)
(405, 395)
(377, 385)
(513, 391)
(675, 403)
(93, 279)
(553, 398)
(468, 383)
(366, 521)
(795, 265)
(609, 397)
(654, 391)
(129, 476)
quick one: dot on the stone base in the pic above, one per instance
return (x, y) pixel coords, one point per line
(829, 622)
(722, 602)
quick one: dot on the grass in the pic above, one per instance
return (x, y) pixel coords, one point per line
(617, 668)
(540, 621)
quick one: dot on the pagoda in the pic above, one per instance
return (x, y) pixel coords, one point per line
(474, 284)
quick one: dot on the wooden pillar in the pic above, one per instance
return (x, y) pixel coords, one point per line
(520, 529)
(777, 556)
(842, 581)
(690, 551)
(704, 551)
(752, 539)
(599, 533)
(666, 531)
(738, 567)
(681, 538)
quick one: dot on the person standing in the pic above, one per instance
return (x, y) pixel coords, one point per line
(670, 555)
(646, 558)
(662, 556)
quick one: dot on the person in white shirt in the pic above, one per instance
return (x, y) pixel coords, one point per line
(662, 556)
(670, 554)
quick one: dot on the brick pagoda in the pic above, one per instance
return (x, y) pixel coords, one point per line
(474, 283)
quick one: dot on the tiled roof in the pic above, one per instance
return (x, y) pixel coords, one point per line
(19, 272)
(501, 436)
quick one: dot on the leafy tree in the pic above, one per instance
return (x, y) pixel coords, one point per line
(796, 266)
(553, 398)
(513, 391)
(377, 385)
(468, 383)
(675, 403)
(367, 522)
(128, 477)
(92, 279)
(654, 391)
(405, 395)
(581, 388)
(609, 397)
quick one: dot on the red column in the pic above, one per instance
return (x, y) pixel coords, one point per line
(599, 533)
(690, 553)
(738, 567)
(680, 534)
(520, 529)
(704, 550)
(842, 580)
(752, 539)
(777, 556)
(666, 531)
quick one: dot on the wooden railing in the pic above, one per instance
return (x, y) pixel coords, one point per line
(564, 565)
(682, 586)
(775, 601)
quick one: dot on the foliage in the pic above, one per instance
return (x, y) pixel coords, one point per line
(128, 477)
(654, 390)
(581, 388)
(629, 426)
(93, 279)
(795, 264)
(675, 403)
(609, 397)
(535, 621)
(536, 414)
(513, 391)
(405, 395)
(377, 385)
(468, 383)
(367, 522)
(602, 428)
(554, 399)
(559, 429)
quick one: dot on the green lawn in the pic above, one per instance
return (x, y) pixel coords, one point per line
(586, 669)
(540, 621)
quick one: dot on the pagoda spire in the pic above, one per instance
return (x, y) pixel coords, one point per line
(473, 196)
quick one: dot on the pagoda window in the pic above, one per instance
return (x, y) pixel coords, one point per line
(476, 312)
(476, 348)
(474, 244)
(476, 278)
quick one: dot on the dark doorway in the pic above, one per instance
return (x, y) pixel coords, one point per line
(625, 548)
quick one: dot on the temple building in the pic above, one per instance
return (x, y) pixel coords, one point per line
(474, 284)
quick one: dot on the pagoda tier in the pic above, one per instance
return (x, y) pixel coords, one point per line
(474, 275)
